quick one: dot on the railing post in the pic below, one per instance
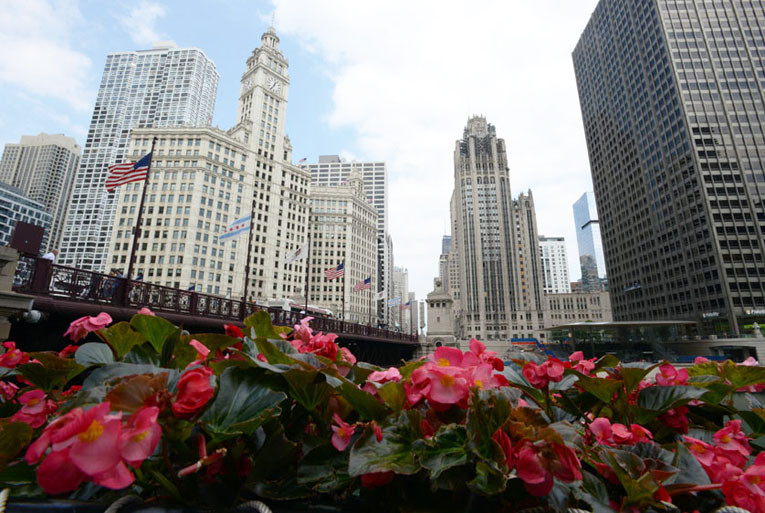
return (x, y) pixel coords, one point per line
(42, 274)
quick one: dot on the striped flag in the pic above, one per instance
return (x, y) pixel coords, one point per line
(380, 295)
(406, 305)
(363, 285)
(335, 272)
(395, 301)
(302, 160)
(298, 254)
(239, 226)
(120, 174)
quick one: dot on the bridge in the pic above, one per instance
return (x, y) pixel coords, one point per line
(63, 294)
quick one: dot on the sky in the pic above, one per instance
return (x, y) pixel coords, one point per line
(393, 81)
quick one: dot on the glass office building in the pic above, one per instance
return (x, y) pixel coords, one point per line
(591, 261)
(671, 93)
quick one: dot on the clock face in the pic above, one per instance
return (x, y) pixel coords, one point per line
(273, 84)
(248, 84)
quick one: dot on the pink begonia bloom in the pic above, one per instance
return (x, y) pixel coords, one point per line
(731, 438)
(8, 390)
(140, 436)
(392, 374)
(668, 376)
(702, 451)
(749, 362)
(57, 475)
(522, 403)
(447, 387)
(700, 359)
(146, 311)
(116, 478)
(347, 356)
(621, 434)
(501, 438)
(447, 357)
(202, 352)
(35, 409)
(640, 434)
(676, 418)
(342, 433)
(601, 429)
(478, 354)
(12, 356)
(84, 325)
(378, 431)
(418, 385)
(483, 377)
(567, 466)
(539, 376)
(537, 480)
(578, 363)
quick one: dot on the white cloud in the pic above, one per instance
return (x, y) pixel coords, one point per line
(140, 22)
(408, 75)
(37, 54)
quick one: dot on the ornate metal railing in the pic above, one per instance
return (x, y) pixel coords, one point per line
(40, 277)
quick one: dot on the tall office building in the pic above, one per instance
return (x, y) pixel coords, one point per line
(162, 87)
(495, 236)
(397, 313)
(42, 167)
(15, 206)
(331, 170)
(591, 261)
(203, 179)
(554, 265)
(672, 98)
(343, 229)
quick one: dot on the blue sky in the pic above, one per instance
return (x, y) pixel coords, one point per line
(393, 81)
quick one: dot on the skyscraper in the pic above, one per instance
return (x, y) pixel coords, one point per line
(15, 206)
(590, 245)
(554, 265)
(672, 99)
(203, 179)
(43, 167)
(331, 170)
(495, 238)
(162, 87)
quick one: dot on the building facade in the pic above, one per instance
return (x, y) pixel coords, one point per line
(203, 179)
(495, 240)
(589, 243)
(398, 314)
(578, 307)
(554, 265)
(332, 170)
(673, 102)
(15, 206)
(162, 87)
(42, 167)
(343, 227)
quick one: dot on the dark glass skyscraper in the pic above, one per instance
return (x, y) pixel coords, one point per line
(671, 93)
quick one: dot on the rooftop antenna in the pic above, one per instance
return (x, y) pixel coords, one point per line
(273, 17)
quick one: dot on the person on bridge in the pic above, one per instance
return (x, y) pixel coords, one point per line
(51, 255)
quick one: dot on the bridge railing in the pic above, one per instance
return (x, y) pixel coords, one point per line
(40, 277)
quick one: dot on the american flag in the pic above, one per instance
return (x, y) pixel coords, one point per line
(406, 305)
(120, 174)
(302, 160)
(335, 272)
(364, 284)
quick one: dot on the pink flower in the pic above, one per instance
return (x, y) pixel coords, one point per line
(447, 357)
(601, 429)
(378, 431)
(57, 475)
(580, 364)
(731, 438)
(202, 352)
(36, 408)
(145, 311)
(8, 390)
(84, 325)
(501, 438)
(539, 376)
(676, 418)
(68, 351)
(375, 479)
(537, 480)
(347, 356)
(140, 436)
(392, 374)
(702, 451)
(447, 386)
(12, 356)
(700, 359)
(479, 354)
(342, 433)
(194, 391)
(750, 362)
(233, 331)
(566, 467)
(669, 376)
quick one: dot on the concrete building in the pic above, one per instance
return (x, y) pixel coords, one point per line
(15, 206)
(673, 102)
(343, 227)
(554, 265)
(590, 244)
(203, 179)
(495, 240)
(578, 307)
(42, 167)
(397, 314)
(162, 87)
(332, 170)
(441, 320)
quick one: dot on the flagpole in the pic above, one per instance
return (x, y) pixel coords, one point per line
(247, 264)
(345, 284)
(308, 261)
(370, 303)
(137, 231)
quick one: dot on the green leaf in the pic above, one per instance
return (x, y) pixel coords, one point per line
(393, 394)
(185, 353)
(755, 420)
(14, 437)
(607, 360)
(660, 399)
(743, 376)
(594, 492)
(488, 480)
(309, 388)
(394, 452)
(241, 404)
(261, 322)
(18, 474)
(446, 449)
(691, 471)
(365, 404)
(324, 468)
(634, 372)
(171, 342)
(121, 337)
(112, 371)
(52, 371)
(488, 410)
(93, 353)
(602, 388)
(273, 352)
(155, 329)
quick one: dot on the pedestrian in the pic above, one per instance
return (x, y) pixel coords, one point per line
(139, 277)
(51, 255)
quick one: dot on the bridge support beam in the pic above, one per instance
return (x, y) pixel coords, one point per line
(10, 302)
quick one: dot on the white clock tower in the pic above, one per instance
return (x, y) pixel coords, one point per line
(263, 100)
